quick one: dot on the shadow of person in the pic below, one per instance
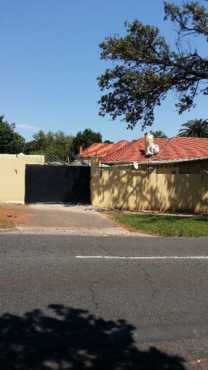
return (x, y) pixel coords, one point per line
(67, 338)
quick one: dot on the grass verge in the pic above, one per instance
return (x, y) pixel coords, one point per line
(163, 225)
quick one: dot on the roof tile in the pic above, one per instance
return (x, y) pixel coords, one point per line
(173, 149)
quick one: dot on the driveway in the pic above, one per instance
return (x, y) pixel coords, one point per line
(58, 218)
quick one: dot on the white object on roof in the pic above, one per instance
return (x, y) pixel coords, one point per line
(150, 147)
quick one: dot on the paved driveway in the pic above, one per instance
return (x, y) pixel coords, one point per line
(56, 218)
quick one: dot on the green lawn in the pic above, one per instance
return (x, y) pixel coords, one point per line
(163, 225)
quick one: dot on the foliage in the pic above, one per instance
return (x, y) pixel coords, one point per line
(146, 68)
(85, 139)
(61, 146)
(164, 225)
(194, 128)
(159, 134)
(10, 141)
(108, 142)
(53, 145)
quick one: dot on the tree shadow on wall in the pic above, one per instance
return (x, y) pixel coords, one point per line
(143, 190)
(67, 338)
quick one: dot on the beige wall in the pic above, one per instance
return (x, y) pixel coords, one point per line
(135, 190)
(12, 176)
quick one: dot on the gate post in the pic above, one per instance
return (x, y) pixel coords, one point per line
(94, 179)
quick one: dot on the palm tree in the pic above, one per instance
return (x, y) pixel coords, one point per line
(194, 128)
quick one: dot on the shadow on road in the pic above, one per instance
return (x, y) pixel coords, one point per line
(66, 338)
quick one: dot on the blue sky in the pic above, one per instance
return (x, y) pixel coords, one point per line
(50, 62)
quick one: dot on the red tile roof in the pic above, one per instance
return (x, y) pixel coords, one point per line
(173, 149)
(96, 150)
(101, 150)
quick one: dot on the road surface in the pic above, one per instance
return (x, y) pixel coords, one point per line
(113, 303)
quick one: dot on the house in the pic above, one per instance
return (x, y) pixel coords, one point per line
(175, 155)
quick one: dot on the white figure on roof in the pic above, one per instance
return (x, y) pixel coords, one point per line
(150, 147)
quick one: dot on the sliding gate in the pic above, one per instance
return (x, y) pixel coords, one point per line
(57, 183)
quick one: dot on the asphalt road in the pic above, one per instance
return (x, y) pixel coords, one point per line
(112, 303)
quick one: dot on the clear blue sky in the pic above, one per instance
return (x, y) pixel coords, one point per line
(50, 61)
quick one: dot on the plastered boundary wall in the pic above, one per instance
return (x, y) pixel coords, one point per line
(136, 191)
(12, 176)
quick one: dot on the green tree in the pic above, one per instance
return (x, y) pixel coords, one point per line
(10, 141)
(55, 146)
(146, 68)
(31, 147)
(159, 133)
(108, 142)
(85, 139)
(194, 128)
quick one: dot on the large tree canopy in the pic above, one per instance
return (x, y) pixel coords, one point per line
(146, 68)
(10, 141)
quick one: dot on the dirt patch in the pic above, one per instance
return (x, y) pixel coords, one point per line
(11, 217)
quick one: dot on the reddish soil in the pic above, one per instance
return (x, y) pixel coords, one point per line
(15, 215)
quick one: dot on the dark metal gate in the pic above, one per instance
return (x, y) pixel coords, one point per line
(55, 184)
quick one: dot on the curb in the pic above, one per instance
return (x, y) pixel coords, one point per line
(107, 232)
